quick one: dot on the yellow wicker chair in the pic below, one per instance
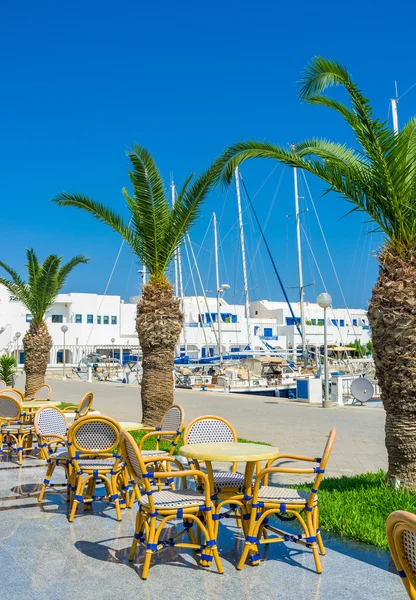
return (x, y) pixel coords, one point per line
(44, 392)
(51, 429)
(82, 409)
(14, 393)
(228, 485)
(268, 500)
(92, 444)
(170, 429)
(13, 427)
(401, 535)
(3, 385)
(186, 504)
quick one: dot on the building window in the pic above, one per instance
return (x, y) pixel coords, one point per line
(342, 323)
(29, 318)
(256, 329)
(99, 320)
(106, 320)
(90, 318)
(334, 322)
(268, 332)
(256, 312)
(321, 322)
(236, 349)
(78, 318)
(113, 320)
(354, 322)
(57, 319)
(313, 321)
(363, 320)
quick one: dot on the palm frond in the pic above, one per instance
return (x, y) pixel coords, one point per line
(149, 208)
(185, 213)
(65, 270)
(44, 282)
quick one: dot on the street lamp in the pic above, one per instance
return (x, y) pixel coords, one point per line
(17, 336)
(221, 289)
(324, 300)
(64, 329)
(112, 341)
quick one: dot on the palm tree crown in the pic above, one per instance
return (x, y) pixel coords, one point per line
(44, 282)
(154, 230)
(378, 177)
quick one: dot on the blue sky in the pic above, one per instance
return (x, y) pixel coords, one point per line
(82, 81)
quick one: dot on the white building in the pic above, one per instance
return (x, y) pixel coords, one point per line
(94, 321)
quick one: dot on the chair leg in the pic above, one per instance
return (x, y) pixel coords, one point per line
(46, 481)
(20, 452)
(314, 545)
(137, 532)
(115, 496)
(150, 540)
(214, 549)
(75, 502)
(318, 533)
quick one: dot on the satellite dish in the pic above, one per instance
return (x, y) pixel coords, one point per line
(362, 389)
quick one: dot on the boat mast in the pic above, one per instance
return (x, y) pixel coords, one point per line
(217, 283)
(175, 256)
(178, 272)
(182, 296)
(394, 102)
(243, 255)
(300, 270)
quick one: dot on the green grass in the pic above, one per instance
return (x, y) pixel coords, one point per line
(63, 405)
(358, 506)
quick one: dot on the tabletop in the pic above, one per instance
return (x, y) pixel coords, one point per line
(130, 425)
(38, 403)
(229, 451)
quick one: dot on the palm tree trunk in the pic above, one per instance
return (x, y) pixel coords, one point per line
(37, 344)
(392, 314)
(158, 324)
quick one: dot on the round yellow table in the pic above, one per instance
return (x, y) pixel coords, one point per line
(251, 454)
(230, 452)
(130, 425)
(35, 404)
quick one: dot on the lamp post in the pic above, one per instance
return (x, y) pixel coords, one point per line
(112, 341)
(324, 300)
(64, 329)
(17, 336)
(221, 289)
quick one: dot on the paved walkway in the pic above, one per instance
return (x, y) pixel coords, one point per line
(292, 427)
(44, 557)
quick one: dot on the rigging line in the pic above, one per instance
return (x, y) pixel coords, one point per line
(265, 181)
(314, 257)
(201, 284)
(272, 260)
(408, 90)
(266, 222)
(223, 205)
(200, 247)
(196, 295)
(244, 210)
(108, 284)
(325, 289)
(129, 277)
(366, 270)
(330, 255)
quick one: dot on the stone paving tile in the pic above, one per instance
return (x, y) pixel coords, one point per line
(44, 556)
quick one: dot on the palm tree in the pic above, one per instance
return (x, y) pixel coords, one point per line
(153, 232)
(379, 178)
(44, 282)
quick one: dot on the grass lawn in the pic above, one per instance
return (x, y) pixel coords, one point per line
(356, 507)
